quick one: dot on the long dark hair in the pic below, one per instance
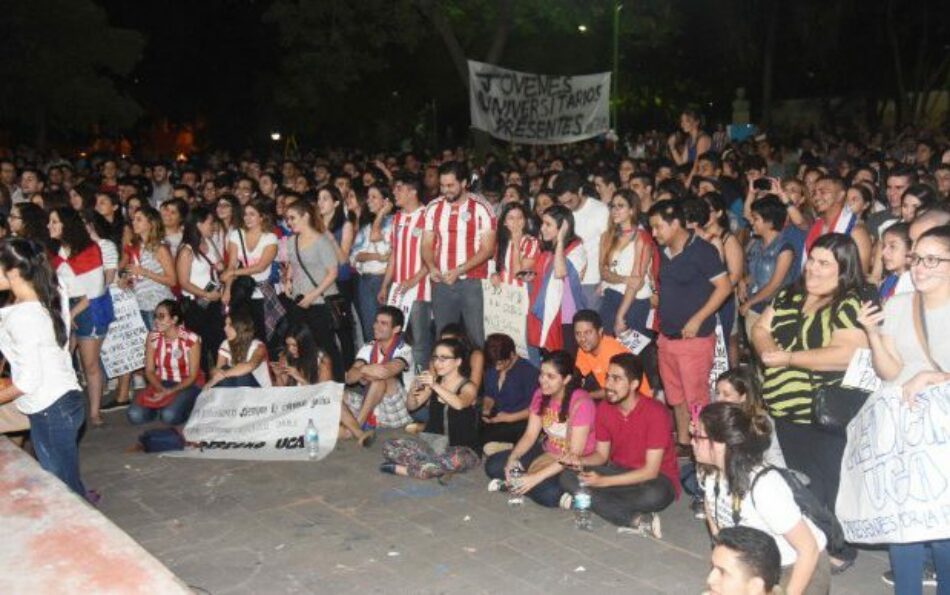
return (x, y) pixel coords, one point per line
(744, 380)
(340, 216)
(307, 353)
(845, 252)
(504, 236)
(746, 437)
(563, 363)
(75, 236)
(459, 350)
(560, 214)
(190, 234)
(35, 221)
(29, 258)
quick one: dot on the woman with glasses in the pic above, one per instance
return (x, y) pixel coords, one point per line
(741, 490)
(901, 359)
(172, 370)
(452, 419)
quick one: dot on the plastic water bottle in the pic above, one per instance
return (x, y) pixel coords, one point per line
(312, 439)
(582, 508)
(514, 478)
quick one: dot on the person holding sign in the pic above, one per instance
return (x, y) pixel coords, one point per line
(172, 370)
(459, 239)
(912, 350)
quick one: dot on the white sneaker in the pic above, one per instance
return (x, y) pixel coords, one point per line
(650, 524)
(495, 485)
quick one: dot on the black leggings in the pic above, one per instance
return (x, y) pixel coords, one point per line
(208, 323)
(619, 504)
(318, 319)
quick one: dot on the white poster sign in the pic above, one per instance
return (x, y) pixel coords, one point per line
(720, 360)
(634, 341)
(538, 109)
(895, 475)
(506, 312)
(860, 372)
(123, 349)
(263, 424)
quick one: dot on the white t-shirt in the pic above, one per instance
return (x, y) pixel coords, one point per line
(899, 326)
(200, 267)
(253, 256)
(38, 365)
(402, 352)
(261, 374)
(770, 507)
(590, 223)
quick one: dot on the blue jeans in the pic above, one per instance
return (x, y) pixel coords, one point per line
(461, 300)
(367, 287)
(54, 432)
(636, 317)
(148, 318)
(420, 327)
(245, 380)
(591, 297)
(173, 414)
(547, 493)
(907, 562)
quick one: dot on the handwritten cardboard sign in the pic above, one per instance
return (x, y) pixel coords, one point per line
(506, 312)
(895, 475)
(123, 349)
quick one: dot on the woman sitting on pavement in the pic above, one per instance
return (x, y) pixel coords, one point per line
(510, 381)
(302, 362)
(742, 490)
(242, 358)
(172, 370)
(450, 437)
(565, 414)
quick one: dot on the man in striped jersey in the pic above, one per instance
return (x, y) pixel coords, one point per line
(406, 270)
(459, 239)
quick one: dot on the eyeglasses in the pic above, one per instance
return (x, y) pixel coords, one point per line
(930, 261)
(443, 358)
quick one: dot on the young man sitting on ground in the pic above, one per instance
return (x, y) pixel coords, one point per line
(376, 393)
(632, 473)
(745, 561)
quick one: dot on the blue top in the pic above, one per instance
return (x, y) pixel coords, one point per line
(686, 285)
(761, 259)
(515, 394)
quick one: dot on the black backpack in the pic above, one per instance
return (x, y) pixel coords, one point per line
(811, 507)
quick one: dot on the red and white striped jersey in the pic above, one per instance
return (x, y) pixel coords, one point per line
(406, 256)
(459, 228)
(170, 356)
(528, 247)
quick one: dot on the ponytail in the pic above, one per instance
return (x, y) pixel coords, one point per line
(29, 258)
(746, 437)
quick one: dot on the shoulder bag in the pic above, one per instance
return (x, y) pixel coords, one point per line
(242, 286)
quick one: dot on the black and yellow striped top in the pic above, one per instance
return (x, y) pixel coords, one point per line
(788, 392)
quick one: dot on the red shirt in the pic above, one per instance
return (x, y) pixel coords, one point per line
(406, 242)
(647, 427)
(458, 228)
(171, 356)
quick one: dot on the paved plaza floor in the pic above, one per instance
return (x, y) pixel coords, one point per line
(340, 526)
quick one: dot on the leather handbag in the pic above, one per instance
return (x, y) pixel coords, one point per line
(243, 286)
(834, 406)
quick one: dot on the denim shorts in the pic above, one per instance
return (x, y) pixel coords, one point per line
(86, 327)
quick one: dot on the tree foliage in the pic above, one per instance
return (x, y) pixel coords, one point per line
(63, 67)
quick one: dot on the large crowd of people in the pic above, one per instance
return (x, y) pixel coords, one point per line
(369, 270)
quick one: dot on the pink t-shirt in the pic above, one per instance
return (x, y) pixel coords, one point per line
(580, 415)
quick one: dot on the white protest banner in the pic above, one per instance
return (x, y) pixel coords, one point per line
(895, 473)
(506, 312)
(123, 349)
(860, 372)
(537, 109)
(634, 341)
(262, 424)
(720, 360)
(403, 301)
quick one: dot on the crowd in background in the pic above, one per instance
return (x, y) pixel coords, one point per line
(370, 269)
